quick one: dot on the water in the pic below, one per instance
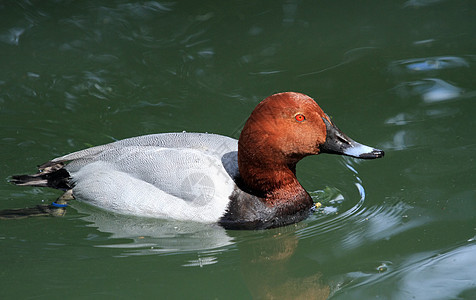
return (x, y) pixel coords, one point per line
(398, 75)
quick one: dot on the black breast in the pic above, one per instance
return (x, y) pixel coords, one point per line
(248, 211)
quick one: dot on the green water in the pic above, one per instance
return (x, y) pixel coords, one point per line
(397, 75)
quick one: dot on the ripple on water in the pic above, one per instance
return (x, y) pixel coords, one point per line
(430, 275)
(329, 216)
(12, 36)
(420, 3)
(431, 90)
(360, 225)
(427, 64)
(353, 227)
(440, 276)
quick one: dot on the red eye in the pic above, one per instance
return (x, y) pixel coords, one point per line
(300, 117)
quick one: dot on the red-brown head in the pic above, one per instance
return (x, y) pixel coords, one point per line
(283, 129)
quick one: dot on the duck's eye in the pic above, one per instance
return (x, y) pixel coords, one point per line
(299, 117)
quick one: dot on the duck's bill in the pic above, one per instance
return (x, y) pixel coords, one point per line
(339, 143)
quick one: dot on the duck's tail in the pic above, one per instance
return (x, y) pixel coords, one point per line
(50, 174)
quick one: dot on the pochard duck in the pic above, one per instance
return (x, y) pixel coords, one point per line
(248, 183)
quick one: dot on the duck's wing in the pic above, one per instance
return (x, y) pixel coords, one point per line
(209, 143)
(180, 184)
(179, 176)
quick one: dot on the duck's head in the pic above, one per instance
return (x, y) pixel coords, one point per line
(286, 127)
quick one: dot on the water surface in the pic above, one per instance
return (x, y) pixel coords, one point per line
(397, 75)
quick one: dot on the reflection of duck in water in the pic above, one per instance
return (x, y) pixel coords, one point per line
(149, 236)
(269, 271)
(245, 184)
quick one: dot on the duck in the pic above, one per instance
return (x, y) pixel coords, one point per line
(249, 183)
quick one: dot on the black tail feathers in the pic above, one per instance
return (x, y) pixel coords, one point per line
(51, 175)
